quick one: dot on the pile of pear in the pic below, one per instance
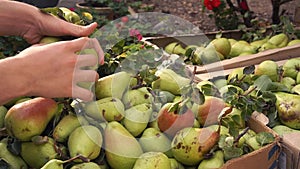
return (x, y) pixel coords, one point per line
(126, 127)
(223, 48)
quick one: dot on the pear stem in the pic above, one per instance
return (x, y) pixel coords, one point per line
(236, 140)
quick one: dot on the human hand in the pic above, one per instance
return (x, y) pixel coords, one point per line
(54, 70)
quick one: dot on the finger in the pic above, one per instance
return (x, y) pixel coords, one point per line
(83, 94)
(86, 60)
(85, 76)
(78, 44)
(94, 44)
(79, 31)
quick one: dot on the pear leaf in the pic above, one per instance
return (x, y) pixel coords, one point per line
(263, 82)
(264, 138)
(232, 152)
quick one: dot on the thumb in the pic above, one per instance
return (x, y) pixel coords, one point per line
(80, 31)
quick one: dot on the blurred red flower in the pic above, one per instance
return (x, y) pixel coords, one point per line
(211, 4)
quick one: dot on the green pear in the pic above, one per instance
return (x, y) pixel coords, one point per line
(291, 68)
(87, 165)
(217, 161)
(14, 162)
(67, 125)
(69, 15)
(298, 78)
(240, 47)
(175, 48)
(121, 148)
(296, 89)
(106, 109)
(210, 55)
(30, 118)
(137, 118)
(89, 144)
(170, 81)
(293, 42)
(196, 56)
(137, 96)
(222, 45)
(54, 164)
(267, 46)
(258, 43)
(153, 140)
(175, 164)
(110, 86)
(269, 68)
(3, 111)
(164, 97)
(49, 39)
(198, 142)
(283, 129)
(253, 143)
(37, 155)
(220, 82)
(232, 41)
(288, 82)
(288, 107)
(152, 160)
(280, 40)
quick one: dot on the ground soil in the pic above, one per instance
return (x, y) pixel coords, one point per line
(191, 10)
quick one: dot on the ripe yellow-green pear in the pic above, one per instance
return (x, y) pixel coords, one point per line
(175, 48)
(267, 46)
(258, 43)
(222, 45)
(288, 82)
(269, 68)
(280, 40)
(232, 41)
(298, 78)
(217, 161)
(152, 160)
(291, 68)
(49, 39)
(238, 72)
(210, 55)
(293, 42)
(241, 47)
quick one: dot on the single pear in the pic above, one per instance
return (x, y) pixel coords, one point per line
(112, 85)
(37, 155)
(54, 164)
(153, 140)
(30, 118)
(89, 144)
(3, 111)
(288, 82)
(217, 161)
(198, 142)
(283, 129)
(291, 68)
(170, 81)
(293, 42)
(174, 48)
(280, 40)
(222, 45)
(269, 68)
(137, 96)
(67, 125)
(106, 109)
(253, 143)
(175, 164)
(152, 160)
(267, 46)
(240, 47)
(15, 162)
(209, 111)
(288, 107)
(210, 55)
(137, 118)
(121, 148)
(258, 43)
(196, 56)
(87, 165)
(296, 89)
(49, 39)
(69, 15)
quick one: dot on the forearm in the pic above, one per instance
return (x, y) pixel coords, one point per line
(16, 17)
(13, 81)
